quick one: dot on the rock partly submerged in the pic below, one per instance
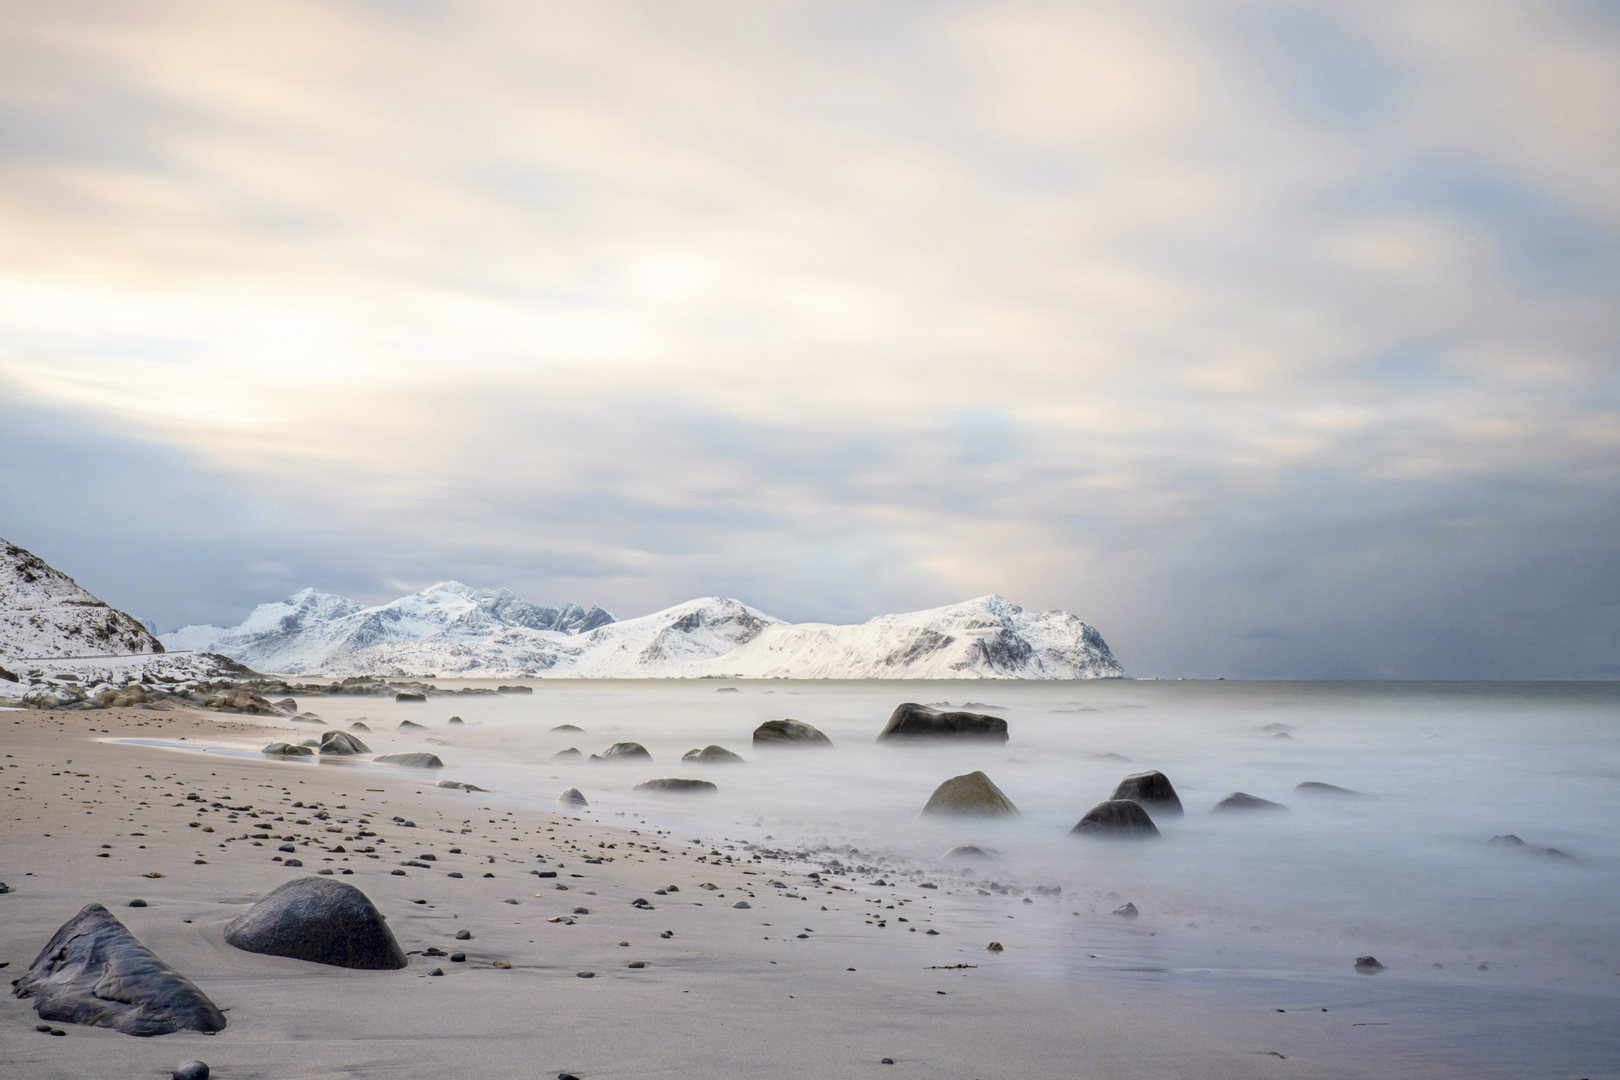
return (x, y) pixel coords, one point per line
(572, 797)
(789, 733)
(624, 751)
(713, 755)
(1152, 790)
(675, 786)
(94, 971)
(1316, 787)
(1242, 800)
(913, 721)
(319, 920)
(414, 761)
(287, 749)
(460, 785)
(342, 744)
(970, 795)
(564, 755)
(1120, 818)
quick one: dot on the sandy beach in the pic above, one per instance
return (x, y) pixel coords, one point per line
(823, 976)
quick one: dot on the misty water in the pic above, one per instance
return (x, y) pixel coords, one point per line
(1268, 905)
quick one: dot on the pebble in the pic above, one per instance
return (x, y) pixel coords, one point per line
(398, 873)
(289, 862)
(191, 1070)
(742, 904)
(585, 974)
(888, 1061)
(502, 964)
(637, 964)
(458, 958)
(463, 935)
(437, 971)
(137, 902)
(994, 946)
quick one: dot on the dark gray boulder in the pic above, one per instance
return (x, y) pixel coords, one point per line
(913, 721)
(677, 787)
(1152, 790)
(626, 751)
(971, 795)
(572, 797)
(286, 749)
(1117, 818)
(94, 971)
(319, 920)
(789, 733)
(406, 695)
(342, 744)
(713, 755)
(1242, 800)
(415, 761)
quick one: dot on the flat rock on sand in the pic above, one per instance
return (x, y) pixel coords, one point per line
(94, 971)
(415, 761)
(678, 787)
(1152, 790)
(910, 720)
(971, 795)
(1116, 818)
(713, 755)
(789, 733)
(319, 920)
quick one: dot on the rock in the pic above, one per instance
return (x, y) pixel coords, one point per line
(319, 920)
(1242, 800)
(358, 726)
(463, 935)
(568, 727)
(406, 695)
(286, 749)
(1117, 818)
(565, 755)
(1152, 790)
(137, 902)
(286, 705)
(742, 904)
(94, 971)
(1512, 841)
(459, 785)
(967, 853)
(455, 721)
(572, 797)
(1126, 910)
(972, 794)
(626, 751)
(313, 744)
(1316, 787)
(712, 755)
(411, 725)
(514, 689)
(789, 733)
(342, 743)
(1367, 965)
(191, 1070)
(677, 787)
(414, 761)
(911, 720)
(994, 946)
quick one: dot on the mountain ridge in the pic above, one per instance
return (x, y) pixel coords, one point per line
(45, 613)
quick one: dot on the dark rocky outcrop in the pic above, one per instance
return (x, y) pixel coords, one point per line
(1316, 787)
(972, 795)
(1242, 800)
(415, 761)
(678, 787)
(343, 744)
(572, 797)
(319, 920)
(626, 751)
(789, 733)
(911, 720)
(286, 749)
(95, 972)
(713, 755)
(1116, 818)
(1152, 790)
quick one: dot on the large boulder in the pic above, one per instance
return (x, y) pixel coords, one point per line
(95, 972)
(713, 755)
(789, 733)
(572, 797)
(319, 920)
(1116, 818)
(624, 751)
(913, 721)
(1242, 800)
(415, 761)
(342, 744)
(1152, 790)
(286, 749)
(972, 795)
(677, 787)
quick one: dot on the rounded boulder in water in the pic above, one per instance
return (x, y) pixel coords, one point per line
(789, 733)
(1120, 818)
(286, 749)
(1152, 790)
(343, 744)
(626, 751)
(913, 721)
(412, 761)
(1242, 800)
(713, 755)
(319, 920)
(572, 797)
(970, 795)
(677, 786)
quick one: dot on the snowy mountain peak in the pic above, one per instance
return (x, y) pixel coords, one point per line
(44, 613)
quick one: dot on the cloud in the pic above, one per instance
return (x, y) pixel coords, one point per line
(1193, 318)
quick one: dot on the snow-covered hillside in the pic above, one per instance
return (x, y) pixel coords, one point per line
(453, 630)
(44, 613)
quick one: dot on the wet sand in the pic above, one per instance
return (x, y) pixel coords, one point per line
(761, 991)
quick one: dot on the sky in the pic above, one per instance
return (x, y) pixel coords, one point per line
(1275, 340)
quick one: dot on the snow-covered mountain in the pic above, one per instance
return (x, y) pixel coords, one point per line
(44, 613)
(453, 630)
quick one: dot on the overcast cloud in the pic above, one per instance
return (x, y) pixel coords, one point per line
(1276, 340)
